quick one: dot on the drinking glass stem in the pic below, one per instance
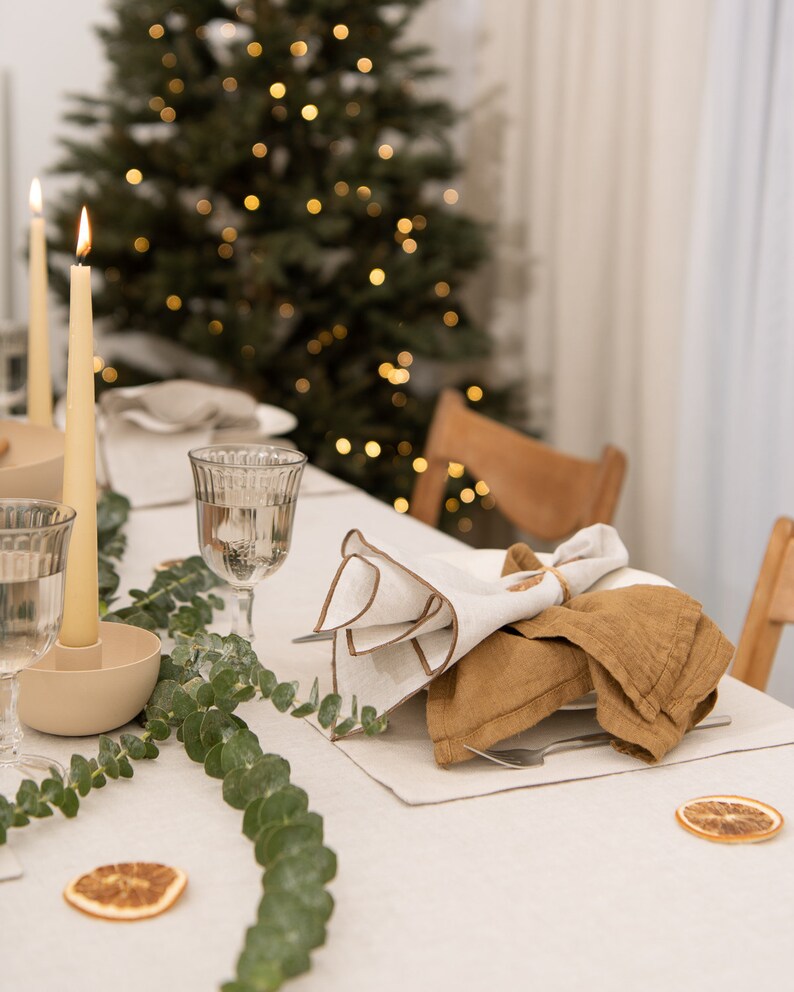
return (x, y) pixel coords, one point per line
(10, 730)
(241, 613)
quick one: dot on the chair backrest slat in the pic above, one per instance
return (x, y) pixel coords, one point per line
(543, 492)
(771, 607)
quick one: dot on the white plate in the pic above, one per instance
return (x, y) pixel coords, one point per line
(273, 422)
(586, 702)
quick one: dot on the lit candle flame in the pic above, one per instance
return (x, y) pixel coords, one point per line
(36, 204)
(84, 237)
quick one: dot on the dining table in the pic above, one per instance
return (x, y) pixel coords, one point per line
(588, 882)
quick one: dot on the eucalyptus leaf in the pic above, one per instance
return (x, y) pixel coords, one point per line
(251, 821)
(70, 804)
(288, 911)
(206, 695)
(52, 791)
(216, 727)
(267, 683)
(213, 762)
(80, 774)
(291, 838)
(305, 709)
(284, 806)
(266, 776)
(134, 746)
(182, 703)
(330, 708)
(191, 737)
(159, 729)
(283, 695)
(301, 869)
(241, 750)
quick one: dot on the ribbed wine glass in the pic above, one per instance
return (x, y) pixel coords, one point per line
(34, 540)
(245, 505)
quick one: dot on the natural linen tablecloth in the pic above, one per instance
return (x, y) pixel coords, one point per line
(400, 620)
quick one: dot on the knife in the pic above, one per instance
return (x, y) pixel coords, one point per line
(323, 635)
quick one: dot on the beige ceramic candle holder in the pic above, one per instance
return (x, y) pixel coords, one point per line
(79, 692)
(31, 466)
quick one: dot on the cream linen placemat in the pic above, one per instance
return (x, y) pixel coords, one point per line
(402, 758)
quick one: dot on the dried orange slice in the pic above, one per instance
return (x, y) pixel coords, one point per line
(134, 890)
(729, 819)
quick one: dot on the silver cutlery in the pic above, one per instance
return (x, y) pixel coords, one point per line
(323, 635)
(524, 757)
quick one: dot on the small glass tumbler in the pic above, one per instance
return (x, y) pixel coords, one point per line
(245, 505)
(34, 541)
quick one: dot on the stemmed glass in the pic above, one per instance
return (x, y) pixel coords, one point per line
(34, 540)
(245, 505)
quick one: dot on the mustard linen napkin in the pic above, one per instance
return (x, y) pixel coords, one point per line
(653, 657)
(401, 620)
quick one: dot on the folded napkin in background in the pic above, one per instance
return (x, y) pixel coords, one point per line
(653, 657)
(147, 431)
(400, 621)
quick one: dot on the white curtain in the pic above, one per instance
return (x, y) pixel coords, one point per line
(581, 154)
(735, 467)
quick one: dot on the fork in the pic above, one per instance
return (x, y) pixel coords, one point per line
(525, 757)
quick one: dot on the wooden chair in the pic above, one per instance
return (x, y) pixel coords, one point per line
(772, 605)
(541, 491)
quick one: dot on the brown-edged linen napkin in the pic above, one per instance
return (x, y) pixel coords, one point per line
(651, 654)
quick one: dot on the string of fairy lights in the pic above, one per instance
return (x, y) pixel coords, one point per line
(407, 235)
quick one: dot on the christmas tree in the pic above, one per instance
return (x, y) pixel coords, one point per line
(270, 187)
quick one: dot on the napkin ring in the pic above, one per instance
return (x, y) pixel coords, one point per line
(533, 580)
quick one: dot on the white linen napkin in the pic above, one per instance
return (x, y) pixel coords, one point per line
(147, 431)
(399, 621)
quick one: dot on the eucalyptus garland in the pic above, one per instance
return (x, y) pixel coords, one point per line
(200, 685)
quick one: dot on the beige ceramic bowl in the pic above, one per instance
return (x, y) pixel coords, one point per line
(32, 468)
(81, 703)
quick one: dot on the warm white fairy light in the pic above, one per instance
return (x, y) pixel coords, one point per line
(278, 90)
(314, 206)
(474, 393)
(419, 465)
(134, 176)
(377, 277)
(341, 31)
(401, 504)
(173, 302)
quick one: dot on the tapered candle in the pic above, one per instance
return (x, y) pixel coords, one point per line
(80, 627)
(39, 381)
